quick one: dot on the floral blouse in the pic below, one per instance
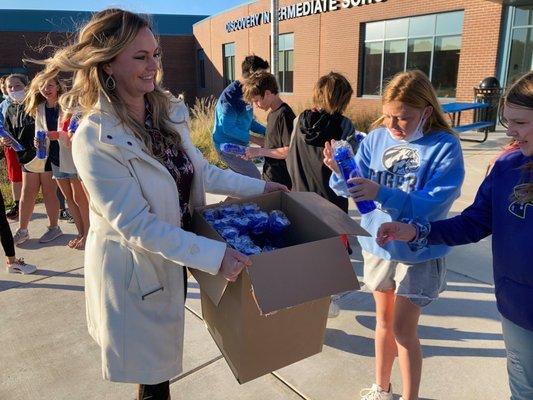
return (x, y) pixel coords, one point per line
(178, 165)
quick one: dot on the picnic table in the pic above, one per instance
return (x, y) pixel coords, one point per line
(454, 111)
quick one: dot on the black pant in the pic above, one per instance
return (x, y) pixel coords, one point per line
(160, 391)
(6, 237)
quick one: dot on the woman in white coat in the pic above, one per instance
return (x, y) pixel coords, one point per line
(135, 157)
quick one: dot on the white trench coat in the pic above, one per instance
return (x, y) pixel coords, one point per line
(136, 249)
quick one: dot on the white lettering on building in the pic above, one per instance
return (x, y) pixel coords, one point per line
(297, 10)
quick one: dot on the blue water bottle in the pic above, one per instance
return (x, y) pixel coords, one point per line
(14, 144)
(232, 148)
(41, 148)
(343, 156)
(74, 122)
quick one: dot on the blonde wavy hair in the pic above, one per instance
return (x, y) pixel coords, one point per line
(415, 89)
(104, 37)
(34, 97)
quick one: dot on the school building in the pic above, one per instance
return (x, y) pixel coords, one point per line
(456, 43)
(29, 34)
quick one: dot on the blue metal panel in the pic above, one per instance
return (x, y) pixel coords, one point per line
(70, 21)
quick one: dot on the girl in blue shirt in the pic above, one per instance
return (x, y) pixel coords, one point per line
(503, 208)
(412, 166)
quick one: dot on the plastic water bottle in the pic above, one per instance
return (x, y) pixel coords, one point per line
(232, 148)
(14, 144)
(41, 148)
(359, 136)
(74, 122)
(343, 155)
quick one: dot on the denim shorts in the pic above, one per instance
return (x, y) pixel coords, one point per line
(57, 174)
(421, 282)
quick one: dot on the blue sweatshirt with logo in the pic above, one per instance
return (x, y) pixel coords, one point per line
(418, 179)
(510, 222)
(234, 118)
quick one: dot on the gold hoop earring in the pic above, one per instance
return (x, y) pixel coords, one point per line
(110, 83)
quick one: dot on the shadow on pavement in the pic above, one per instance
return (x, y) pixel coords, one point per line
(364, 346)
(436, 333)
(38, 285)
(33, 243)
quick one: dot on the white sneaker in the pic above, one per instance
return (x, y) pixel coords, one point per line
(20, 267)
(20, 236)
(376, 393)
(334, 308)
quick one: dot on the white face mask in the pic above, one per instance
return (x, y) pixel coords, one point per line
(17, 96)
(417, 133)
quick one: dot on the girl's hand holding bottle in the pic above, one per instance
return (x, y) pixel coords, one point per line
(328, 157)
(363, 189)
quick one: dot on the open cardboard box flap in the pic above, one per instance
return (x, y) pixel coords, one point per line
(308, 272)
(330, 214)
(303, 272)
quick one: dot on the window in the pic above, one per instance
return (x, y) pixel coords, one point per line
(286, 62)
(200, 59)
(430, 43)
(228, 52)
(520, 59)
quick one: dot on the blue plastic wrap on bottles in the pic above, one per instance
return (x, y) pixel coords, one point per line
(230, 210)
(240, 242)
(242, 224)
(248, 208)
(211, 215)
(269, 247)
(277, 222)
(250, 250)
(229, 232)
(231, 148)
(221, 223)
(258, 222)
(40, 136)
(344, 157)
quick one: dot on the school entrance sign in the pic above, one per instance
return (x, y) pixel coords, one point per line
(297, 10)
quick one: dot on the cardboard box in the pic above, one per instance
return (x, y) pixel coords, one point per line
(276, 312)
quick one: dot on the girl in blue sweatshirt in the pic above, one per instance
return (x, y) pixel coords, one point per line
(412, 166)
(503, 207)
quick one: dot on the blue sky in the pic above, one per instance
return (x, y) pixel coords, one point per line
(198, 7)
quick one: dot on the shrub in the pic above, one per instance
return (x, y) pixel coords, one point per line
(202, 121)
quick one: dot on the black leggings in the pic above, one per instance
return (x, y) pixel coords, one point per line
(6, 237)
(160, 391)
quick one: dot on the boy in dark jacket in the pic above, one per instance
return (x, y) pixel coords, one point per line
(315, 127)
(261, 89)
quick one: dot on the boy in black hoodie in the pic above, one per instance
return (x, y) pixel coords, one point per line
(261, 89)
(313, 129)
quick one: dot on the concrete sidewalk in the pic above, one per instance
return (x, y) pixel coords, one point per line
(48, 354)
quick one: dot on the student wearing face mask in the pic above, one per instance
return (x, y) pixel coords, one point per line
(411, 165)
(15, 121)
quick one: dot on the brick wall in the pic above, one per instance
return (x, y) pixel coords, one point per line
(178, 58)
(332, 41)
